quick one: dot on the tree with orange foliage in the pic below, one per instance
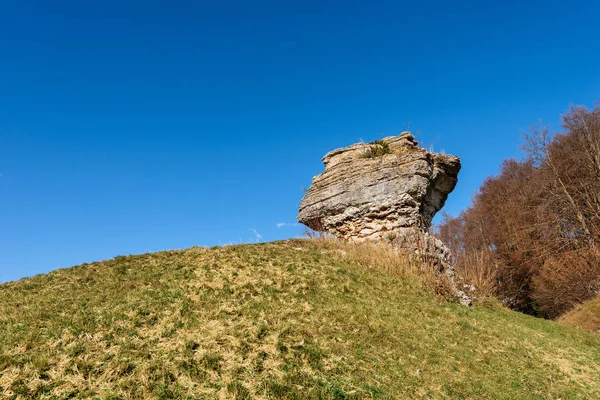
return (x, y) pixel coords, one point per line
(532, 233)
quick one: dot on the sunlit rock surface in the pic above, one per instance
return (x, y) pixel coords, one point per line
(387, 191)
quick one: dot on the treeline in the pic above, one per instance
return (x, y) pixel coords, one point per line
(531, 236)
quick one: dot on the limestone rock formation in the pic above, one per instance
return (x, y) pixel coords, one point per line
(386, 191)
(373, 191)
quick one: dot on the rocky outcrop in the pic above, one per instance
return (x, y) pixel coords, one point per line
(375, 191)
(386, 191)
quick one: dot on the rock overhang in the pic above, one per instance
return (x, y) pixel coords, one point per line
(392, 181)
(387, 191)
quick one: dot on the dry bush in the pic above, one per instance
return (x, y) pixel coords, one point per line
(444, 288)
(368, 254)
(474, 264)
(386, 259)
(479, 269)
(371, 255)
(532, 233)
(566, 280)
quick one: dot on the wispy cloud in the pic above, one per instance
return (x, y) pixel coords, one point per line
(257, 236)
(284, 224)
(1, 174)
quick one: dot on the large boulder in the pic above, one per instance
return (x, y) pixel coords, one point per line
(374, 191)
(386, 191)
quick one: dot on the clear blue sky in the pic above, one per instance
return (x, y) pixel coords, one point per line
(128, 127)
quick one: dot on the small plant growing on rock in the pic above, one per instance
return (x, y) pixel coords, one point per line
(377, 148)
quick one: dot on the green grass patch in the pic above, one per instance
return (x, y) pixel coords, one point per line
(377, 148)
(294, 319)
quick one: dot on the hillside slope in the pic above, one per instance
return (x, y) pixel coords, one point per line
(585, 315)
(293, 319)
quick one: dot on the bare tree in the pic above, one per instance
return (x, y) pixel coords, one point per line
(536, 226)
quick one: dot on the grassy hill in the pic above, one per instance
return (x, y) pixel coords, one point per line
(586, 316)
(295, 319)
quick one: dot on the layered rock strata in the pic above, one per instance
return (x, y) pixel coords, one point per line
(375, 191)
(386, 191)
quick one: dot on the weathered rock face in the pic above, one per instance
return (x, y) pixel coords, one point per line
(380, 191)
(387, 191)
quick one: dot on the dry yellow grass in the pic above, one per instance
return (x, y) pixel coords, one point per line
(586, 316)
(296, 319)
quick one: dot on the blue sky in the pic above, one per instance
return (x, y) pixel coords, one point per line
(128, 127)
